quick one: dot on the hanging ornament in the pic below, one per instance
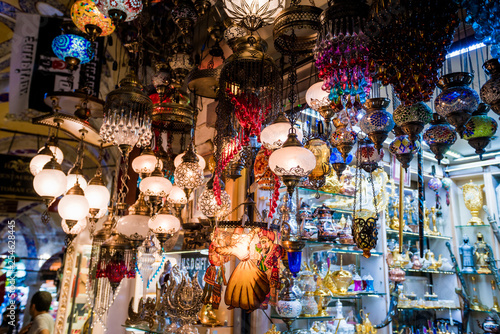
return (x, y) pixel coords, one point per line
(412, 119)
(490, 91)
(447, 182)
(343, 63)
(51, 182)
(368, 156)
(457, 101)
(482, 16)
(207, 202)
(188, 175)
(439, 136)
(145, 261)
(435, 184)
(377, 122)
(343, 138)
(410, 47)
(403, 148)
(480, 129)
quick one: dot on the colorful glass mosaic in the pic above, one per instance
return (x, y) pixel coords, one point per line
(131, 8)
(418, 112)
(85, 12)
(67, 46)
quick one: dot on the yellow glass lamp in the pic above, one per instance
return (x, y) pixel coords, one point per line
(89, 19)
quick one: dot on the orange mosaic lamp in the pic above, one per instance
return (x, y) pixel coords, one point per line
(89, 19)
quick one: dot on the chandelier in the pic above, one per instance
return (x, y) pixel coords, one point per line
(127, 116)
(255, 14)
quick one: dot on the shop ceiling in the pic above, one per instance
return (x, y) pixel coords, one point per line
(306, 73)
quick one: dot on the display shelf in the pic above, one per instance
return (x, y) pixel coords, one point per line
(476, 274)
(356, 296)
(339, 248)
(412, 235)
(469, 226)
(141, 329)
(427, 308)
(276, 316)
(313, 191)
(203, 251)
(426, 271)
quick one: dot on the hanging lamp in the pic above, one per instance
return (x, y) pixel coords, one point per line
(116, 260)
(146, 162)
(207, 202)
(412, 118)
(343, 139)
(73, 206)
(439, 136)
(457, 101)
(368, 156)
(274, 135)
(177, 198)
(50, 182)
(490, 94)
(201, 161)
(155, 186)
(253, 14)
(338, 163)
(90, 20)
(319, 100)
(480, 129)
(128, 105)
(98, 197)
(185, 16)
(120, 10)
(73, 49)
(164, 224)
(377, 122)
(134, 225)
(43, 156)
(403, 148)
(188, 175)
(292, 161)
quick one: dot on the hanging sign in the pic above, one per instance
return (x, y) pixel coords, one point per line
(15, 177)
(195, 262)
(35, 70)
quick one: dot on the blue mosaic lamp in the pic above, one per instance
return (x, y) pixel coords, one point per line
(73, 49)
(338, 163)
(403, 148)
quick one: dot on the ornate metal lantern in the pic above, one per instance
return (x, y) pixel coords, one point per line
(480, 129)
(377, 122)
(412, 118)
(439, 136)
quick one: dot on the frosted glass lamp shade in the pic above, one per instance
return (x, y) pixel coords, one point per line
(76, 229)
(43, 156)
(178, 160)
(71, 181)
(316, 97)
(275, 135)
(37, 163)
(133, 226)
(292, 161)
(73, 207)
(146, 163)
(164, 223)
(97, 196)
(177, 196)
(155, 185)
(50, 183)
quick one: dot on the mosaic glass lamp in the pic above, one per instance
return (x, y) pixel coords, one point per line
(73, 49)
(90, 20)
(120, 10)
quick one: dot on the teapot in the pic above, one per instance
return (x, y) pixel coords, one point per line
(489, 325)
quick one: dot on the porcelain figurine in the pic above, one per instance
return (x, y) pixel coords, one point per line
(467, 253)
(446, 265)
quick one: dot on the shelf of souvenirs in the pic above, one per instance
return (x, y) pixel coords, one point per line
(313, 318)
(338, 247)
(477, 274)
(145, 328)
(428, 308)
(339, 203)
(472, 226)
(202, 251)
(413, 235)
(352, 295)
(429, 271)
